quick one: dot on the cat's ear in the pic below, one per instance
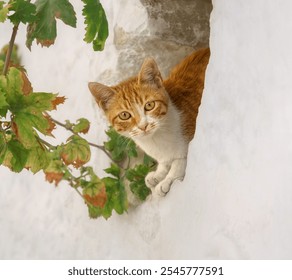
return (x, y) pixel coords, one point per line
(150, 74)
(102, 94)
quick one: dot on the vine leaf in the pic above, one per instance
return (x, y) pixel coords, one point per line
(24, 11)
(23, 125)
(3, 147)
(76, 151)
(26, 88)
(37, 160)
(97, 200)
(44, 28)
(82, 126)
(28, 109)
(120, 147)
(117, 197)
(114, 170)
(16, 156)
(96, 24)
(95, 193)
(136, 176)
(54, 171)
(3, 104)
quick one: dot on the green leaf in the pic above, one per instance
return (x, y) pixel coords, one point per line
(113, 170)
(24, 11)
(16, 156)
(28, 111)
(42, 101)
(120, 147)
(82, 126)
(96, 24)
(76, 151)
(3, 103)
(136, 176)
(117, 198)
(120, 198)
(149, 161)
(132, 149)
(24, 125)
(3, 11)
(44, 28)
(3, 147)
(94, 212)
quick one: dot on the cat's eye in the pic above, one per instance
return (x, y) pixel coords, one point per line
(124, 116)
(149, 106)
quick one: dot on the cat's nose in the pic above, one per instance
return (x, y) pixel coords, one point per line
(143, 126)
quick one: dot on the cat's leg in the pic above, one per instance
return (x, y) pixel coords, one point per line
(153, 178)
(176, 172)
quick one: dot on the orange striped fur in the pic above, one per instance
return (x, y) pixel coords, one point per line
(183, 87)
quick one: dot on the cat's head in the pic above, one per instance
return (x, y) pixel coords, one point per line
(135, 107)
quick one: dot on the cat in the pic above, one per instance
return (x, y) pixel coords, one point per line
(159, 115)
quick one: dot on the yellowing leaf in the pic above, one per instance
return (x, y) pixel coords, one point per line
(14, 87)
(76, 151)
(15, 58)
(54, 177)
(3, 11)
(97, 199)
(51, 126)
(57, 101)
(54, 171)
(37, 159)
(26, 87)
(82, 126)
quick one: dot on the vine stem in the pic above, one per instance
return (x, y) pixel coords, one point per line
(10, 48)
(46, 143)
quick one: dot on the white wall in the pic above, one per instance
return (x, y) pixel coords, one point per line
(236, 199)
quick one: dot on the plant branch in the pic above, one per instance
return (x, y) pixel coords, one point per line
(10, 49)
(62, 124)
(50, 146)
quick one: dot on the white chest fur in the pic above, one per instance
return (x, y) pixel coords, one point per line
(167, 142)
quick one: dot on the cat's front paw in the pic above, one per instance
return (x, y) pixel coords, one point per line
(151, 180)
(163, 187)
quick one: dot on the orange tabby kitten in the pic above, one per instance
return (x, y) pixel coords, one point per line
(160, 116)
